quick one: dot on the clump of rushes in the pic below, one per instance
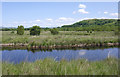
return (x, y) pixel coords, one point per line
(63, 38)
(32, 44)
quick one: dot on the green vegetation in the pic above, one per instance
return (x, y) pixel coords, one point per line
(20, 30)
(63, 38)
(63, 67)
(85, 25)
(94, 31)
(35, 30)
(12, 32)
(54, 31)
(92, 24)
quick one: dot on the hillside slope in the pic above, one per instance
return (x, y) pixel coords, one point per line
(94, 22)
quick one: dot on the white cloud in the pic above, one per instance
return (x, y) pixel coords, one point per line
(114, 14)
(82, 6)
(105, 12)
(34, 21)
(83, 11)
(44, 23)
(74, 12)
(55, 22)
(49, 19)
(65, 19)
(38, 20)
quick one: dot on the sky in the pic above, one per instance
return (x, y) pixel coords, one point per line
(55, 14)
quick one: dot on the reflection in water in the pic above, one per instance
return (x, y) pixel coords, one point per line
(17, 56)
(82, 52)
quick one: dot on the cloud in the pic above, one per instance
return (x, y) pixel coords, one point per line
(37, 20)
(105, 12)
(74, 12)
(34, 21)
(55, 22)
(83, 11)
(114, 14)
(49, 19)
(43, 23)
(82, 6)
(65, 19)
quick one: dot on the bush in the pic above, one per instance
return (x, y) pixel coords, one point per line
(35, 30)
(12, 32)
(20, 30)
(54, 31)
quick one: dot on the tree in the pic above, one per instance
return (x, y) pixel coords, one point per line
(35, 30)
(20, 30)
(54, 31)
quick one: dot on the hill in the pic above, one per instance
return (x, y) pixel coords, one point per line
(93, 24)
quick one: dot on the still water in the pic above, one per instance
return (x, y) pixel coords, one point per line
(17, 56)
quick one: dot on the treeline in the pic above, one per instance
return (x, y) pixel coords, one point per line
(12, 29)
(93, 28)
(15, 29)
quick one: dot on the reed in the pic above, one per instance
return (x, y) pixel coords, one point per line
(51, 67)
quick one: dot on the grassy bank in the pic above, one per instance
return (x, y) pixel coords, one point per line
(51, 67)
(63, 38)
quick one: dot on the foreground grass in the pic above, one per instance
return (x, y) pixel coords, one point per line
(63, 38)
(63, 67)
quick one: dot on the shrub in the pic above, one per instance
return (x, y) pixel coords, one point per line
(20, 30)
(35, 30)
(12, 32)
(54, 31)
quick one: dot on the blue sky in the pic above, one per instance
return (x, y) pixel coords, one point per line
(54, 14)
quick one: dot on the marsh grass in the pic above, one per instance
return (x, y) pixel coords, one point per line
(63, 67)
(63, 38)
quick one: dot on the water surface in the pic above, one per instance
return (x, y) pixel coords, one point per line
(17, 56)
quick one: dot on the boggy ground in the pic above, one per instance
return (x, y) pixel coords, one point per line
(65, 39)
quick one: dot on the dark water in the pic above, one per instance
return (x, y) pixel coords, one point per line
(17, 56)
